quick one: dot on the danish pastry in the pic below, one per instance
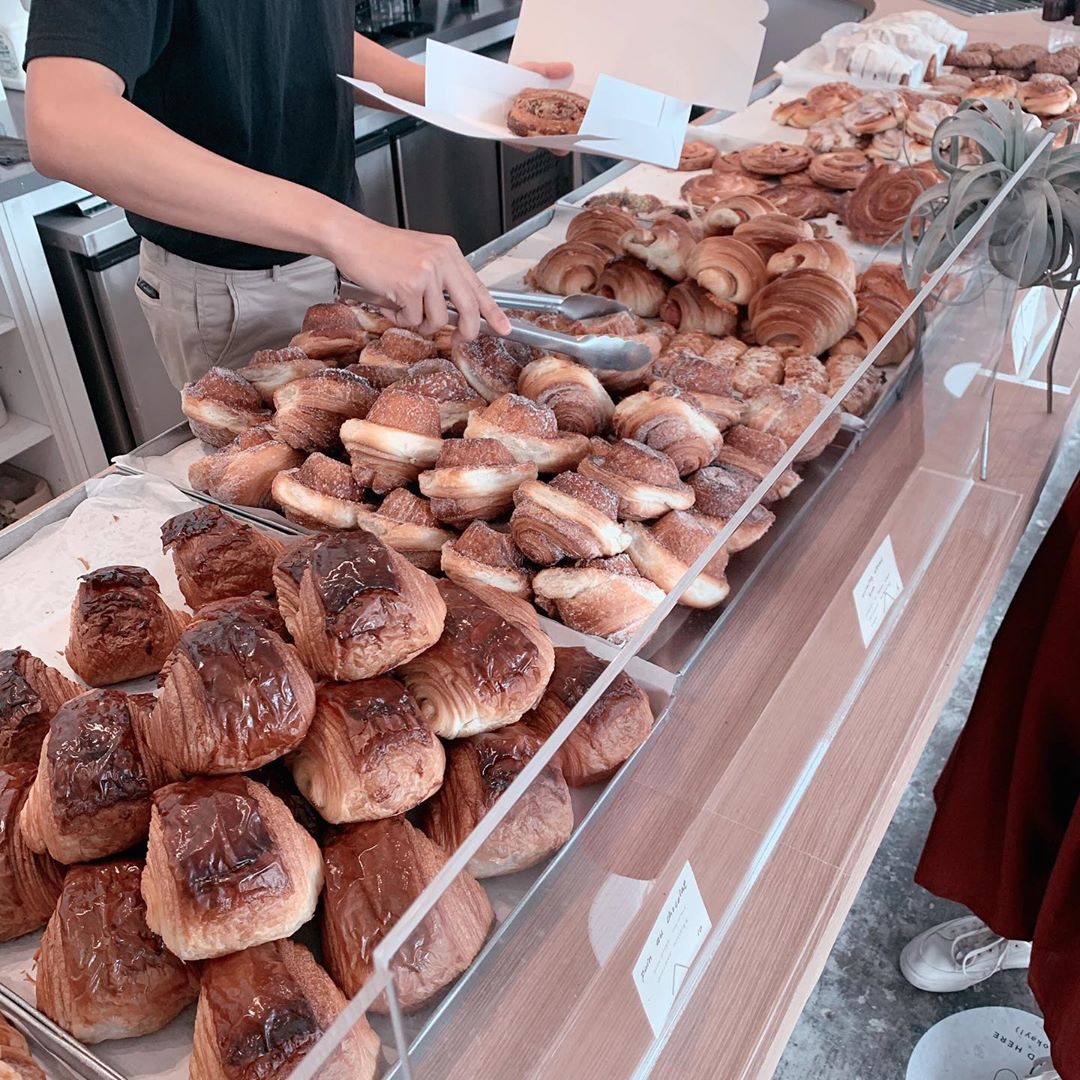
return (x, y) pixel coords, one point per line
(670, 421)
(798, 113)
(842, 170)
(30, 694)
(482, 555)
(310, 411)
(775, 159)
(220, 405)
(720, 491)
(546, 112)
(703, 190)
(879, 206)
(572, 392)
(474, 479)
(873, 113)
(833, 97)
(645, 481)
(529, 431)
(1047, 95)
(270, 369)
(243, 472)
(665, 550)
(696, 155)
(807, 203)
(831, 135)
(321, 494)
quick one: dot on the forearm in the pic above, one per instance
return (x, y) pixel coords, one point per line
(395, 74)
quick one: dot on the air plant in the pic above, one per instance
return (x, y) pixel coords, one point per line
(1035, 233)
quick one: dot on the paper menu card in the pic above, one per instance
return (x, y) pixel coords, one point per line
(471, 95)
(702, 51)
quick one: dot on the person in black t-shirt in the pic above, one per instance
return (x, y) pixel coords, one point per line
(224, 131)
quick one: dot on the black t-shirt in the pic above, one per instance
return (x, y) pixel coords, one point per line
(252, 80)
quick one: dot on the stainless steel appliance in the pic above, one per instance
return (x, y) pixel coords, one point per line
(375, 167)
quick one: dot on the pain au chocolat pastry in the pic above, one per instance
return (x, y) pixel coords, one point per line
(732, 270)
(401, 436)
(374, 871)
(665, 550)
(310, 411)
(491, 365)
(478, 770)
(355, 607)
(605, 597)
(336, 332)
(406, 523)
(270, 369)
(101, 972)
(645, 481)
(720, 491)
(546, 112)
(604, 226)
(607, 734)
(91, 795)
(236, 696)
(389, 357)
(690, 307)
(260, 609)
(529, 431)
(570, 517)
(29, 882)
(220, 405)
(321, 494)
(572, 392)
(474, 479)
(631, 283)
(770, 233)
(664, 246)
(489, 667)
(570, 268)
(120, 627)
(441, 381)
(368, 754)
(669, 420)
(16, 1061)
(30, 694)
(243, 472)
(217, 556)
(807, 309)
(227, 868)
(825, 255)
(484, 556)
(262, 1010)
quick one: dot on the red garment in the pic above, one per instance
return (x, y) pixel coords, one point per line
(1006, 838)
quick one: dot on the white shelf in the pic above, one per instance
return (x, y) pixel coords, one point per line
(6, 323)
(19, 434)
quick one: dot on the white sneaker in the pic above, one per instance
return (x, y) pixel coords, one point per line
(1043, 1069)
(959, 954)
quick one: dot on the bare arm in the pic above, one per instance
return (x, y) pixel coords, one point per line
(395, 74)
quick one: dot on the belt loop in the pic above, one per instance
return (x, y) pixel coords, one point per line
(274, 272)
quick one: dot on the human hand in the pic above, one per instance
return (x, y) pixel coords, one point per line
(411, 272)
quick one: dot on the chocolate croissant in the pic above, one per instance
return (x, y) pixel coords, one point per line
(270, 369)
(336, 332)
(406, 523)
(260, 609)
(401, 436)
(664, 245)
(16, 1061)
(529, 431)
(731, 270)
(388, 358)
(220, 405)
(489, 667)
(571, 268)
(664, 551)
(607, 734)
(227, 868)
(310, 411)
(630, 282)
(689, 307)
(263, 1009)
(442, 381)
(120, 627)
(491, 365)
(807, 309)
(361, 608)
(367, 754)
(481, 555)
(236, 696)
(645, 481)
(669, 420)
(720, 491)
(374, 871)
(787, 411)
(604, 226)
(29, 882)
(474, 479)
(217, 556)
(30, 694)
(572, 392)
(605, 597)
(101, 972)
(478, 770)
(96, 773)
(321, 494)
(243, 472)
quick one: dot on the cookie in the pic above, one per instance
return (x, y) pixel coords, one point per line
(1019, 56)
(1059, 64)
(971, 58)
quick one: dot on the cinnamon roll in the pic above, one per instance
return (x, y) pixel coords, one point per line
(807, 203)
(645, 481)
(120, 627)
(474, 480)
(310, 411)
(236, 696)
(690, 307)
(702, 191)
(491, 365)
(546, 112)
(478, 770)
(400, 437)
(806, 371)
(321, 494)
(29, 882)
(529, 431)
(887, 146)
(374, 872)
(831, 135)
(732, 270)
(771, 233)
(101, 972)
(571, 391)
(873, 113)
(787, 411)
(826, 255)
(720, 491)
(243, 472)
(220, 405)
(30, 694)
(664, 245)
(756, 453)
(570, 517)
(775, 159)
(630, 282)
(842, 170)
(670, 421)
(1047, 95)
(833, 97)
(570, 268)
(389, 357)
(483, 556)
(696, 155)
(665, 550)
(603, 226)
(217, 556)
(1001, 87)
(270, 369)
(840, 368)
(604, 597)
(405, 522)
(336, 332)
(227, 868)
(642, 206)
(722, 217)
(756, 367)
(879, 206)
(924, 121)
(808, 309)
(368, 754)
(441, 381)
(798, 114)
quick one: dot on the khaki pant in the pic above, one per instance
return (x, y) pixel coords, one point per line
(204, 317)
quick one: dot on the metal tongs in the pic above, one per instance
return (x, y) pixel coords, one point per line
(600, 351)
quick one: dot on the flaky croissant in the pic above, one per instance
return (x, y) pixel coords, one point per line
(665, 550)
(220, 405)
(243, 472)
(771, 233)
(732, 270)
(321, 494)
(726, 215)
(645, 481)
(310, 411)
(572, 267)
(807, 309)
(670, 421)
(630, 282)
(825, 255)
(336, 332)
(491, 365)
(30, 694)
(482, 555)
(443, 382)
(876, 317)
(474, 480)
(571, 391)
(663, 245)
(387, 359)
(16, 1061)
(406, 523)
(529, 431)
(840, 368)
(603, 226)
(270, 369)
(689, 307)
(787, 411)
